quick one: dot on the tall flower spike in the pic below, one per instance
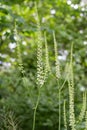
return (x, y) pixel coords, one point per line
(40, 74)
(56, 58)
(83, 110)
(65, 122)
(71, 95)
(20, 63)
(47, 65)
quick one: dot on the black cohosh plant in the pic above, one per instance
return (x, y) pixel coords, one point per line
(64, 115)
(83, 110)
(57, 66)
(73, 121)
(19, 58)
(71, 93)
(43, 70)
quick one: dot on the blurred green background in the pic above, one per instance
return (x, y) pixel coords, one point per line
(69, 21)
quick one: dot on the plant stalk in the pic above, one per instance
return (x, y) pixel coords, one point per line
(59, 109)
(35, 110)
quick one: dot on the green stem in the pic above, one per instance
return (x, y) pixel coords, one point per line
(59, 109)
(34, 117)
(63, 84)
